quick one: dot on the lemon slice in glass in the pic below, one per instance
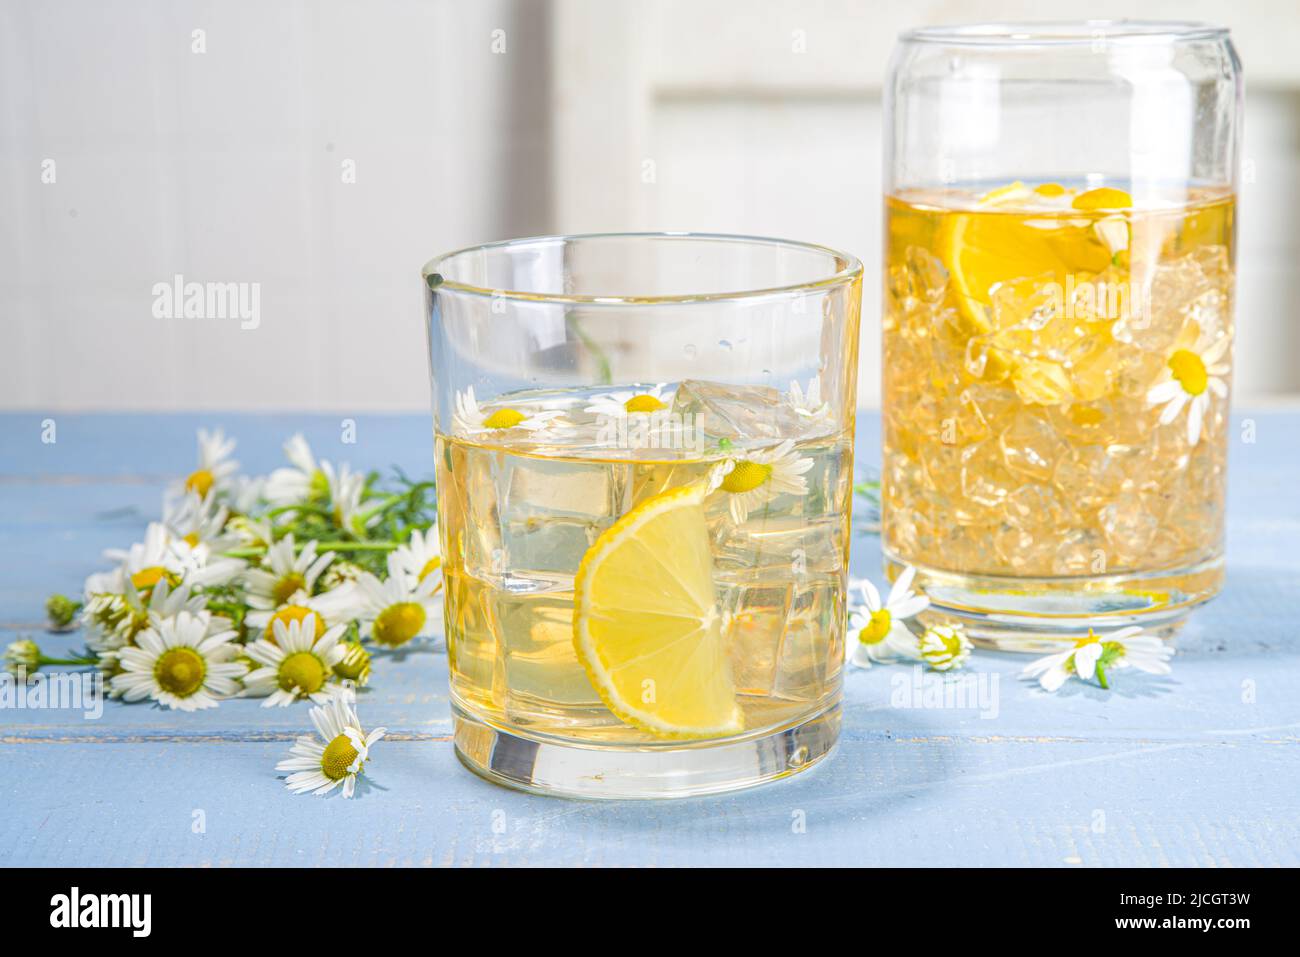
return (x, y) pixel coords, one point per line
(646, 621)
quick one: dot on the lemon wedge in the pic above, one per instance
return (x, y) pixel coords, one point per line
(646, 621)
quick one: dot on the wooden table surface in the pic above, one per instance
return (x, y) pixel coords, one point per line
(1200, 768)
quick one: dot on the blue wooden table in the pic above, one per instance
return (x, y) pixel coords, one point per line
(1200, 768)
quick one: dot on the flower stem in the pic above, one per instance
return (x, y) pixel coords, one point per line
(256, 551)
(43, 660)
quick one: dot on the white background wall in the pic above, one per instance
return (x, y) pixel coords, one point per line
(227, 165)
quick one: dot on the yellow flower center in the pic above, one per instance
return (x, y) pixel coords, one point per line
(503, 419)
(1189, 370)
(292, 613)
(146, 578)
(398, 624)
(1079, 643)
(180, 671)
(746, 476)
(302, 670)
(338, 757)
(287, 587)
(199, 481)
(875, 630)
(192, 539)
(1050, 189)
(644, 403)
(355, 665)
(431, 566)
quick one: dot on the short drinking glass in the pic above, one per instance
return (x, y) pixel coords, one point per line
(644, 451)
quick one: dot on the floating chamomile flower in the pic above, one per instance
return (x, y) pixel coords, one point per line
(617, 404)
(397, 609)
(216, 467)
(421, 556)
(304, 481)
(755, 480)
(1093, 654)
(337, 758)
(808, 404)
(1190, 376)
(944, 647)
(876, 630)
(180, 663)
(283, 573)
(298, 664)
(470, 419)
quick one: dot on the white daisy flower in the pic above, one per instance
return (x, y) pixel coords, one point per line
(617, 404)
(113, 620)
(470, 419)
(944, 647)
(180, 663)
(421, 556)
(199, 520)
(216, 467)
(283, 573)
(346, 489)
(399, 609)
(808, 404)
(1090, 657)
(163, 555)
(757, 479)
(878, 626)
(335, 606)
(306, 478)
(245, 494)
(319, 768)
(298, 664)
(1189, 378)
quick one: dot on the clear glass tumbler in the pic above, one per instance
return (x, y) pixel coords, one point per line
(1058, 321)
(644, 450)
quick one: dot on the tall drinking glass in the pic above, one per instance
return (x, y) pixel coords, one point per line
(644, 450)
(1058, 322)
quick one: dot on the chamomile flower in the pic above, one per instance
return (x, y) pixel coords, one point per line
(1092, 655)
(180, 663)
(163, 555)
(199, 520)
(808, 404)
(616, 404)
(216, 467)
(283, 574)
(304, 480)
(346, 494)
(398, 609)
(421, 556)
(470, 419)
(755, 480)
(878, 625)
(337, 758)
(298, 664)
(22, 657)
(335, 606)
(1190, 376)
(355, 663)
(112, 621)
(944, 647)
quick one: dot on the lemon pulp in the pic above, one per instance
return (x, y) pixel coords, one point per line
(647, 626)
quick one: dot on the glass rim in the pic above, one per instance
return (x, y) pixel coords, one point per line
(1021, 33)
(851, 270)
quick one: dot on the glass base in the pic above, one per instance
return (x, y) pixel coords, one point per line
(674, 769)
(1043, 615)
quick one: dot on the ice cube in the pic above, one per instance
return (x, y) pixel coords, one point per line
(1030, 446)
(743, 412)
